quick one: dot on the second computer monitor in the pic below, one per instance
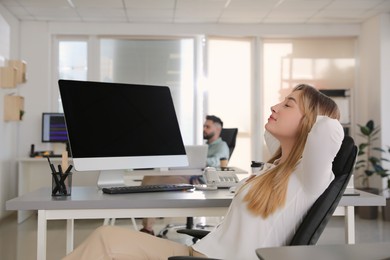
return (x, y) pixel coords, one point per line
(54, 128)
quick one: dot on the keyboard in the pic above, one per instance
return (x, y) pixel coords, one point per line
(148, 188)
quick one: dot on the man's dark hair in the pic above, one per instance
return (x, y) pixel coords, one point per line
(215, 119)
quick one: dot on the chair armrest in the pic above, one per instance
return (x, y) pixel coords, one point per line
(197, 233)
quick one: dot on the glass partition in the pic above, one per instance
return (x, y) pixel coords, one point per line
(165, 62)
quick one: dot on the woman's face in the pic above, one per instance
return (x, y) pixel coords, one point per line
(285, 117)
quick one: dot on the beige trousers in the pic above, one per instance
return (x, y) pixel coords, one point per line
(148, 223)
(110, 242)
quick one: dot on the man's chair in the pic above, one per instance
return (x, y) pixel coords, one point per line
(229, 135)
(323, 208)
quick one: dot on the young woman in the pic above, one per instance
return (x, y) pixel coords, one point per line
(268, 206)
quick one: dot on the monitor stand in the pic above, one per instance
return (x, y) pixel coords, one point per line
(119, 178)
(114, 178)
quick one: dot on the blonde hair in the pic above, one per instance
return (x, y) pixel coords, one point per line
(267, 192)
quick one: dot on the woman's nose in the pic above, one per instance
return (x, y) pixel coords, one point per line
(273, 109)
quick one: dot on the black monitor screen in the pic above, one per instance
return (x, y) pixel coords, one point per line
(116, 120)
(54, 128)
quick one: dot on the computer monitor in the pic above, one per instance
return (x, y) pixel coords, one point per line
(114, 126)
(54, 128)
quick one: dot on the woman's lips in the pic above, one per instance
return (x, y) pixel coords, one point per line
(271, 118)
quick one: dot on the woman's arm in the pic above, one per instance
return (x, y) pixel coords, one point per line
(322, 145)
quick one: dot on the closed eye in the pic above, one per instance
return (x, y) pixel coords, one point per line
(287, 104)
(288, 101)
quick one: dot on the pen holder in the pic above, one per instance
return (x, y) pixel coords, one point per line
(61, 184)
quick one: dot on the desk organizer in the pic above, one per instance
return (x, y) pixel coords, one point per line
(61, 184)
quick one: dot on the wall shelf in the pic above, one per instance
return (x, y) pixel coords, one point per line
(8, 77)
(13, 108)
(20, 67)
(14, 73)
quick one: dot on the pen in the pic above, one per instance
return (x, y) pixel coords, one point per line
(60, 169)
(69, 169)
(62, 179)
(53, 170)
(53, 173)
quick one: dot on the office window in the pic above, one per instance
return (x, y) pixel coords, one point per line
(326, 63)
(164, 62)
(228, 91)
(72, 62)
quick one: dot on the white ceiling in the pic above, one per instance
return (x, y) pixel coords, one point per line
(198, 11)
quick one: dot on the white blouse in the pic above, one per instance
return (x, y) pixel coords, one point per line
(241, 232)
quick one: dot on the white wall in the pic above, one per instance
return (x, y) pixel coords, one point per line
(4, 40)
(8, 130)
(373, 84)
(36, 51)
(385, 88)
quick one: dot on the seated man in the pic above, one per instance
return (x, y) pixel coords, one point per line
(217, 150)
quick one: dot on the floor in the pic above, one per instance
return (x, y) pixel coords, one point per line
(18, 242)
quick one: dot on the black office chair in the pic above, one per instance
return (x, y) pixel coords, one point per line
(322, 210)
(229, 135)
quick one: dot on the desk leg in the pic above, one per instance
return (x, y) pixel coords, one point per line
(350, 224)
(69, 235)
(41, 235)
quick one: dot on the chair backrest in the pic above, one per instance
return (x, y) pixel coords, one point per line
(322, 210)
(229, 135)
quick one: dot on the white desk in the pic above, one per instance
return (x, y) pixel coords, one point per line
(89, 203)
